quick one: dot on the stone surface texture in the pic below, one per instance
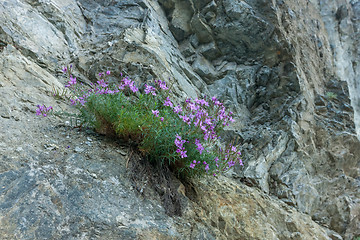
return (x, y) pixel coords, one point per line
(288, 69)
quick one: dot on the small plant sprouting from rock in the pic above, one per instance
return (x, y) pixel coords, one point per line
(182, 136)
(60, 94)
(43, 110)
(331, 95)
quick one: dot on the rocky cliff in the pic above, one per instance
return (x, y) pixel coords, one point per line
(288, 69)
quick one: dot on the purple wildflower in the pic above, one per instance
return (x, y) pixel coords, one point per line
(207, 168)
(168, 102)
(216, 101)
(230, 119)
(128, 82)
(133, 88)
(39, 110)
(178, 141)
(193, 106)
(186, 119)
(208, 121)
(193, 164)
(177, 109)
(102, 83)
(221, 113)
(202, 102)
(71, 82)
(107, 72)
(42, 110)
(150, 89)
(200, 148)
(162, 84)
(183, 154)
(155, 112)
(197, 122)
(231, 163)
(82, 101)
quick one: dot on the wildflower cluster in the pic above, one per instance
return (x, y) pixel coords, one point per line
(43, 110)
(179, 143)
(184, 136)
(204, 120)
(81, 93)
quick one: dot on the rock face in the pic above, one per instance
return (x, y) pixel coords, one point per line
(288, 69)
(343, 32)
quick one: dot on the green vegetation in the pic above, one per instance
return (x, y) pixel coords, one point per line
(184, 136)
(331, 95)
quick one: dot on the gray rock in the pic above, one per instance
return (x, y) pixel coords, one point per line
(340, 27)
(209, 51)
(271, 62)
(180, 20)
(186, 49)
(204, 69)
(201, 29)
(79, 149)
